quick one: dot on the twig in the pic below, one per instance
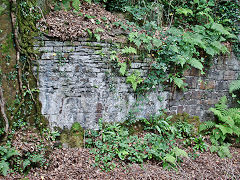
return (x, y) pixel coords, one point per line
(2, 106)
(31, 92)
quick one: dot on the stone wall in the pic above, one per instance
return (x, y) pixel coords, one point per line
(77, 84)
(205, 91)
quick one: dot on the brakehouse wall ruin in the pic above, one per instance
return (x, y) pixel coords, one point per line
(77, 84)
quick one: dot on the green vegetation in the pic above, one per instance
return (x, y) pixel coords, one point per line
(155, 140)
(177, 43)
(173, 36)
(74, 137)
(227, 124)
(24, 158)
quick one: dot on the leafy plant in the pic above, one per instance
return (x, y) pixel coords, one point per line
(183, 129)
(114, 142)
(129, 50)
(123, 67)
(158, 124)
(66, 5)
(227, 125)
(234, 87)
(197, 143)
(221, 150)
(6, 153)
(76, 4)
(134, 79)
(227, 14)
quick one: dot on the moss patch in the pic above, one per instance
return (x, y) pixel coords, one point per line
(7, 58)
(73, 137)
(185, 117)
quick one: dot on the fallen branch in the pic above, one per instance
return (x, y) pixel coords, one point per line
(2, 106)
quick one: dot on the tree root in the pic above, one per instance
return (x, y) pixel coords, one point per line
(18, 48)
(2, 107)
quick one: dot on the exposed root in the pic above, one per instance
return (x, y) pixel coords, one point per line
(18, 48)
(2, 106)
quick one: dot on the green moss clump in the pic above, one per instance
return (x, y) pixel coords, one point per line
(74, 136)
(185, 117)
(136, 128)
(76, 127)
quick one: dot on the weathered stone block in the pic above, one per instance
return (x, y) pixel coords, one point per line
(57, 49)
(195, 72)
(229, 75)
(45, 49)
(53, 43)
(48, 56)
(68, 49)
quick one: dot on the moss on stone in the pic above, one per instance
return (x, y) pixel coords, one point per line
(185, 117)
(73, 137)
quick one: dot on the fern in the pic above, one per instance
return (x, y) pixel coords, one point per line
(4, 167)
(179, 152)
(229, 118)
(129, 50)
(223, 151)
(134, 79)
(228, 124)
(206, 126)
(123, 67)
(219, 28)
(184, 11)
(179, 82)
(234, 86)
(195, 63)
(76, 4)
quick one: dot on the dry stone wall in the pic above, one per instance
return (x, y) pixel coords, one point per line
(205, 90)
(77, 84)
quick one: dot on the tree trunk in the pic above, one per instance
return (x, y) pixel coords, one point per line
(8, 81)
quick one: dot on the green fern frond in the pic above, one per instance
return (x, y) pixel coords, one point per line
(216, 112)
(228, 120)
(221, 107)
(234, 86)
(76, 4)
(206, 125)
(236, 130)
(195, 63)
(219, 28)
(225, 129)
(234, 113)
(179, 152)
(222, 102)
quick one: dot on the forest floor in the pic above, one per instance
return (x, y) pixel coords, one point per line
(77, 163)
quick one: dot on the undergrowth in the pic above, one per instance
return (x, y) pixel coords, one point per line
(26, 148)
(175, 36)
(226, 127)
(156, 141)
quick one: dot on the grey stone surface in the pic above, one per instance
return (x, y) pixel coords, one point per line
(74, 87)
(78, 84)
